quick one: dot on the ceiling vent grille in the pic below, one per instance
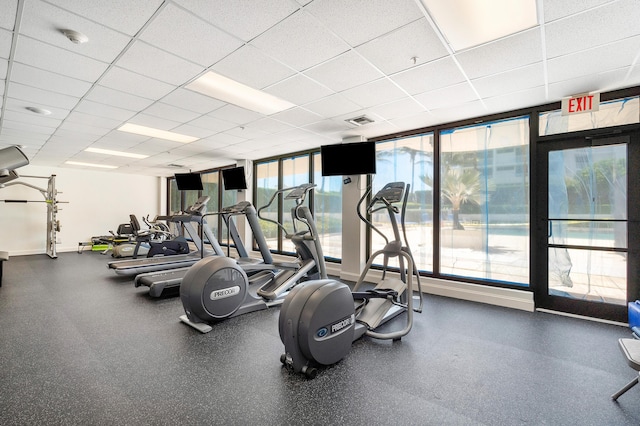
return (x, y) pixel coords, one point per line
(360, 121)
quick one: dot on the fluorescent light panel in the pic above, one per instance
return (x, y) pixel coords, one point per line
(230, 91)
(156, 133)
(467, 23)
(102, 166)
(117, 153)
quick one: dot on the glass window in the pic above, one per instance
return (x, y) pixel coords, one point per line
(295, 171)
(612, 113)
(175, 204)
(409, 160)
(327, 203)
(484, 201)
(266, 185)
(211, 187)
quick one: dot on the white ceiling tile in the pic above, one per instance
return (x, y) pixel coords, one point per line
(358, 21)
(248, 65)
(299, 90)
(123, 15)
(372, 130)
(403, 107)
(269, 125)
(196, 132)
(600, 59)
(92, 132)
(44, 22)
(519, 99)
(170, 112)
(423, 119)
(245, 20)
(433, 75)
(300, 41)
(395, 51)
(5, 43)
(556, 9)
(153, 121)
(102, 110)
(35, 77)
(192, 101)
(524, 48)
(24, 116)
(235, 114)
(116, 98)
(51, 58)
(8, 10)
(447, 96)
(593, 28)
(155, 63)
(93, 120)
(328, 127)
(510, 81)
(374, 93)
(225, 139)
(3, 69)
(332, 106)
(344, 72)
(460, 111)
(136, 84)
(590, 83)
(20, 105)
(212, 43)
(212, 123)
(246, 133)
(41, 97)
(29, 127)
(297, 117)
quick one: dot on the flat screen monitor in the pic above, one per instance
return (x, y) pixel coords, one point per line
(348, 159)
(234, 178)
(188, 181)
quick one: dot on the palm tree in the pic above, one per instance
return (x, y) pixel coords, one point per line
(459, 186)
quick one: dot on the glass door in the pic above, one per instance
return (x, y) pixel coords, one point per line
(584, 235)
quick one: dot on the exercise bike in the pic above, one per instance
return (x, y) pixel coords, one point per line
(319, 320)
(218, 288)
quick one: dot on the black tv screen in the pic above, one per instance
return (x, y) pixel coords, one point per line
(188, 181)
(348, 159)
(234, 178)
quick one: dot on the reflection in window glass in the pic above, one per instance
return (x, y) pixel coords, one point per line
(295, 171)
(587, 218)
(327, 202)
(210, 187)
(612, 113)
(409, 160)
(484, 201)
(266, 186)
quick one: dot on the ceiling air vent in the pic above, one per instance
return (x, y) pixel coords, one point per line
(176, 166)
(360, 121)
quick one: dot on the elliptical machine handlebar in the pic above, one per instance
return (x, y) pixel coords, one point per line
(297, 193)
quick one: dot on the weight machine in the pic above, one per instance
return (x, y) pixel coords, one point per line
(12, 158)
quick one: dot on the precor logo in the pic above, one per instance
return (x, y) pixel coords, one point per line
(223, 293)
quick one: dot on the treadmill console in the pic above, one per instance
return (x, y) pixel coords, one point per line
(199, 208)
(299, 191)
(238, 208)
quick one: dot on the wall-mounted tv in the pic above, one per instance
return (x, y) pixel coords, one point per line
(234, 178)
(348, 159)
(188, 181)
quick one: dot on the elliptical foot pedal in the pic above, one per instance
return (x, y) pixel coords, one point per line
(200, 326)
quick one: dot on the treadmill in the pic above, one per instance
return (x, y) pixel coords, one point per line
(194, 214)
(258, 270)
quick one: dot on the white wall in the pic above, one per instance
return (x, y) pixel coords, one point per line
(98, 202)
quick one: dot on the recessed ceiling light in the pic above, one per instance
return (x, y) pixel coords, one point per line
(156, 133)
(37, 110)
(75, 37)
(118, 153)
(467, 23)
(102, 166)
(230, 91)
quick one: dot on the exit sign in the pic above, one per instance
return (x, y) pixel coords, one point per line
(578, 104)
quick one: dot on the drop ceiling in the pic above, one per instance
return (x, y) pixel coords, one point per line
(334, 59)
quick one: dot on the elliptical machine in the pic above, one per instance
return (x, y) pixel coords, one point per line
(319, 320)
(217, 288)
